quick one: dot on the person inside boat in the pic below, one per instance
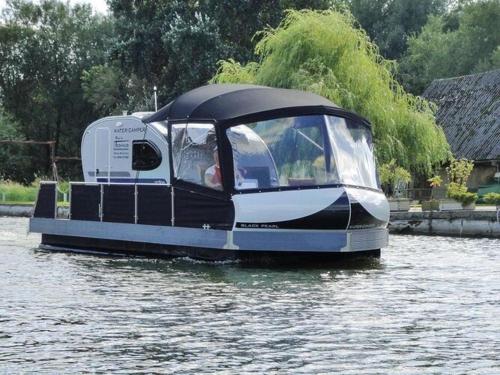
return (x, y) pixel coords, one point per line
(213, 177)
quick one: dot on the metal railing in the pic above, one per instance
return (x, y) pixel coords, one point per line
(110, 202)
(118, 202)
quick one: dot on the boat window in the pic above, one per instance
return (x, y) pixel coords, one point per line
(302, 151)
(145, 156)
(195, 155)
(353, 151)
(292, 151)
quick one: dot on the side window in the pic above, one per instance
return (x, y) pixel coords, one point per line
(145, 156)
(195, 155)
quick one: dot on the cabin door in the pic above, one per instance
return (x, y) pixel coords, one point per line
(102, 155)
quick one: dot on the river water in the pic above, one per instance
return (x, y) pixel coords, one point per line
(430, 305)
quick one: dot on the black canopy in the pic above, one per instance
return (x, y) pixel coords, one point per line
(225, 103)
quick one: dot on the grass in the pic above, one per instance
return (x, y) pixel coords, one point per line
(14, 193)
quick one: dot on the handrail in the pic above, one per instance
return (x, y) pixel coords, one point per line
(117, 183)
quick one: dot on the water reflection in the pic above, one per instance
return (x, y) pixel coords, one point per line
(429, 305)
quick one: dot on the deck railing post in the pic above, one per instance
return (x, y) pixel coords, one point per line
(172, 206)
(55, 200)
(70, 194)
(136, 218)
(101, 201)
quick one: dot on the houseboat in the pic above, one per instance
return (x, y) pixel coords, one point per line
(224, 172)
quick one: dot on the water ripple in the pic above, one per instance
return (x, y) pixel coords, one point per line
(429, 306)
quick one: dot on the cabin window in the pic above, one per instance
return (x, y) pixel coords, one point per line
(292, 151)
(302, 151)
(145, 156)
(195, 154)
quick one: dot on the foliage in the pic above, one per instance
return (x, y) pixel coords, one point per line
(62, 67)
(492, 198)
(14, 192)
(390, 22)
(435, 181)
(13, 163)
(392, 175)
(176, 44)
(63, 186)
(462, 42)
(459, 193)
(103, 86)
(44, 47)
(324, 53)
(458, 172)
(197, 45)
(111, 92)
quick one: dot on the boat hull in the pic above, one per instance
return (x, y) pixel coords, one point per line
(134, 239)
(128, 248)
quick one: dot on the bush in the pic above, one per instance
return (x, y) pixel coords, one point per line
(392, 176)
(492, 198)
(459, 193)
(458, 174)
(459, 171)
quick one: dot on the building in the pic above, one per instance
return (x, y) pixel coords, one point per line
(469, 112)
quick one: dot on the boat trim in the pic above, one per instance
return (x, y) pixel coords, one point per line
(257, 240)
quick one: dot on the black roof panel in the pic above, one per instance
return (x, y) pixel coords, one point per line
(227, 102)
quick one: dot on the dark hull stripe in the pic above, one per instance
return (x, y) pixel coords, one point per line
(362, 219)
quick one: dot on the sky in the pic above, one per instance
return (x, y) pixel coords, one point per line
(98, 5)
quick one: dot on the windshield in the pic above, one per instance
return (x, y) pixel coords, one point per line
(301, 151)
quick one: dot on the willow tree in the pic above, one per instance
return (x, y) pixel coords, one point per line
(326, 53)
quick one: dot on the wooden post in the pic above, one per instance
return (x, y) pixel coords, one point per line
(53, 157)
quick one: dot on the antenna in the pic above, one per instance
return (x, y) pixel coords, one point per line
(156, 99)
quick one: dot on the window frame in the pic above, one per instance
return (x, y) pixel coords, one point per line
(347, 116)
(154, 147)
(204, 189)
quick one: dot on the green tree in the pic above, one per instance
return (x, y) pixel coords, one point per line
(111, 92)
(176, 45)
(172, 44)
(465, 41)
(240, 20)
(44, 47)
(13, 163)
(325, 53)
(390, 22)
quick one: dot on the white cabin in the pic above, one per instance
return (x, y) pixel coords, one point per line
(123, 149)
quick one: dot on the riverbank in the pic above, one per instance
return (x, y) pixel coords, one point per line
(482, 222)
(26, 210)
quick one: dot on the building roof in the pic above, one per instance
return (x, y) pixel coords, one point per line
(226, 103)
(469, 112)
